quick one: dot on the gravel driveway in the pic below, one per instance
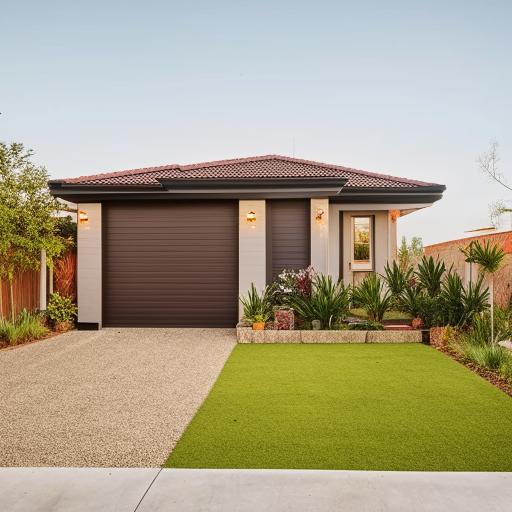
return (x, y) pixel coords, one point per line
(116, 397)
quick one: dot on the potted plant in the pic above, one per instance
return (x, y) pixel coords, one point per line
(258, 322)
(61, 312)
(257, 308)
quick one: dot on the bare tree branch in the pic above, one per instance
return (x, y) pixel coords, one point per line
(488, 163)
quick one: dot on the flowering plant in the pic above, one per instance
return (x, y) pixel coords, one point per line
(293, 282)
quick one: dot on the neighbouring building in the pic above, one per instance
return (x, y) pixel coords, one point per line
(176, 245)
(451, 254)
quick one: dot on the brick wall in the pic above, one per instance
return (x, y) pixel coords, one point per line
(450, 253)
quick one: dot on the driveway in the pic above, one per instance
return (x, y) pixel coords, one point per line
(110, 398)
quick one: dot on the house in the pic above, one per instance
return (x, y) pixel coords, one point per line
(176, 245)
(450, 253)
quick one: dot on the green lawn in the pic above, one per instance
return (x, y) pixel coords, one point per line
(375, 407)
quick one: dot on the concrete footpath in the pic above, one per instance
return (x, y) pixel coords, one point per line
(184, 490)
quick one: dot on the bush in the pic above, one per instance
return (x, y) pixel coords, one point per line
(397, 280)
(491, 357)
(459, 305)
(60, 309)
(430, 274)
(26, 327)
(367, 325)
(292, 282)
(257, 308)
(328, 302)
(372, 296)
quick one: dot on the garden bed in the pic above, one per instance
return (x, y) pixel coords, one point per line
(248, 335)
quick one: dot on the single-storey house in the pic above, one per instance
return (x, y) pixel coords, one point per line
(176, 245)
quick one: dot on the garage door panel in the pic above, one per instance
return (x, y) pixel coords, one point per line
(170, 264)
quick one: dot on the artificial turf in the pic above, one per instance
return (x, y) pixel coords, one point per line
(363, 407)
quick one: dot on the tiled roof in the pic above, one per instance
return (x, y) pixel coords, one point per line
(269, 166)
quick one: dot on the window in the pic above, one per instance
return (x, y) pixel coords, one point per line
(362, 243)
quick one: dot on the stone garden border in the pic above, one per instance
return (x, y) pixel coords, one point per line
(247, 335)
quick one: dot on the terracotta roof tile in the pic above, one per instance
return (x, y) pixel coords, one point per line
(269, 166)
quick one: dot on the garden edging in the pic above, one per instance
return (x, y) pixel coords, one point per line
(248, 335)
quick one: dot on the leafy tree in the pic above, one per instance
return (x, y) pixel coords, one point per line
(409, 254)
(489, 258)
(28, 222)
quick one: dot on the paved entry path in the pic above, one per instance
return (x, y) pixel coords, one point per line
(214, 490)
(110, 398)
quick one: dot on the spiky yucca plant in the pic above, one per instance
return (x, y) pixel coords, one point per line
(373, 296)
(489, 258)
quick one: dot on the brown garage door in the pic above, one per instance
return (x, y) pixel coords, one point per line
(288, 236)
(170, 264)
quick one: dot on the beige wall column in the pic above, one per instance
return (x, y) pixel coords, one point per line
(89, 278)
(252, 265)
(320, 235)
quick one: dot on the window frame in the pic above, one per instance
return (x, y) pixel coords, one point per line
(359, 265)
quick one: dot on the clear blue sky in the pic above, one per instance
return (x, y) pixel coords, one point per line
(414, 89)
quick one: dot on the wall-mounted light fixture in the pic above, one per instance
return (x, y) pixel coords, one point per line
(83, 218)
(319, 215)
(394, 215)
(251, 217)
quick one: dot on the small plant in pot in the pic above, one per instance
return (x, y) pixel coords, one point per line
(257, 307)
(61, 312)
(258, 322)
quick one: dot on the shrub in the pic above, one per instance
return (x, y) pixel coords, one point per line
(26, 327)
(257, 306)
(430, 275)
(491, 357)
(459, 305)
(60, 308)
(292, 282)
(397, 279)
(328, 302)
(372, 296)
(367, 325)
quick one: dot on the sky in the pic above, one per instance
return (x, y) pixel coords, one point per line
(410, 88)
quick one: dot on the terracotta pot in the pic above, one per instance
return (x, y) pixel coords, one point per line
(417, 323)
(63, 326)
(258, 326)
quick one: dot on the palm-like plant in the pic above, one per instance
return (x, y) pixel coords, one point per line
(397, 279)
(430, 275)
(373, 296)
(489, 258)
(256, 306)
(328, 302)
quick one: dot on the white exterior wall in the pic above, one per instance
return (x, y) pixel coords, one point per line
(251, 247)
(320, 236)
(89, 276)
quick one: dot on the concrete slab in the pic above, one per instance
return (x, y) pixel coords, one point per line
(73, 489)
(321, 491)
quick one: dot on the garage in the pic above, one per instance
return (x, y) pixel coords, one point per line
(170, 263)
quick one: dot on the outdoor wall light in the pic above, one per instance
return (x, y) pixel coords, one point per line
(251, 217)
(394, 214)
(83, 218)
(319, 215)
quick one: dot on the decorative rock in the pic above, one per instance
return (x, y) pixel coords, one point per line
(284, 319)
(394, 337)
(333, 336)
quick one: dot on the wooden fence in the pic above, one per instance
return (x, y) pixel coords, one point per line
(26, 286)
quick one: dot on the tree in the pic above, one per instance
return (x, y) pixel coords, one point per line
(28, 221)
(489, 258)
(489, 165)
(410, 255)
